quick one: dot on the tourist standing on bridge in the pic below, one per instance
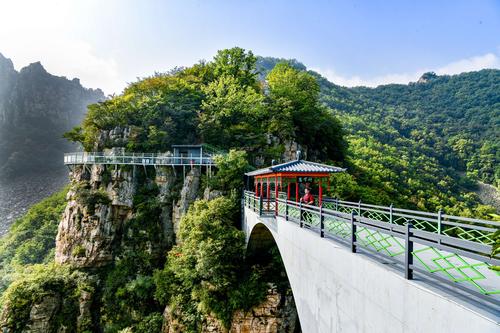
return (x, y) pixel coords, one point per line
(308, 198)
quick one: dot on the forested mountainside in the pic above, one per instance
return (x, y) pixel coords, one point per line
(422, 145)
(426, 140)
(452, 118)
(36, 108)
(153, 250)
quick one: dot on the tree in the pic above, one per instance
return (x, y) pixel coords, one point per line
(231, 114)
(238, 64)
(230, 171)
(295, 103)
(204, 274)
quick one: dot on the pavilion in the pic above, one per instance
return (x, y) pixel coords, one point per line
(272, 181)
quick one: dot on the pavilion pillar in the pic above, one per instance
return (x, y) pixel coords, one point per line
(268, 194)
(296, 190)
(276, 194)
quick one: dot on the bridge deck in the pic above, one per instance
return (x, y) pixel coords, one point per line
(449, 250)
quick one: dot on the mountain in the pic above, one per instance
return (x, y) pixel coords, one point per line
(36, 108)
(422, 145)
(152, 249)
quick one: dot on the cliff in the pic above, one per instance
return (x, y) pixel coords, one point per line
(36, 108)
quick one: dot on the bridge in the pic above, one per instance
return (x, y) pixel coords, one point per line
(355, 267)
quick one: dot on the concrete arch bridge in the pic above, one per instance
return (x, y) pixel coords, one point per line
(364, 268)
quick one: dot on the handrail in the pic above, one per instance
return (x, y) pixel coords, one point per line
(444, 253)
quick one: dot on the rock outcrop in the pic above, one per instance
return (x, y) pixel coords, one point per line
(276, 314)
(88, 232)
(189, 193)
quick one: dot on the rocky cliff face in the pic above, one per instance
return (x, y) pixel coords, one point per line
(276, 314)
(89, 232)
(93, 234)
(36, 108)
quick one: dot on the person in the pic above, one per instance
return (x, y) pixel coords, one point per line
(308, 198)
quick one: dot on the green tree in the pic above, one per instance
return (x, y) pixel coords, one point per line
(230, 170)
(205, 272)
(294, 99)
(236, 63)
(231, 114)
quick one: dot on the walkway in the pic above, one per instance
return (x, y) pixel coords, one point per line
(144, 159)
(447, 250)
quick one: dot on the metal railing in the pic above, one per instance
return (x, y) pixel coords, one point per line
(416, 242)
(134, 159)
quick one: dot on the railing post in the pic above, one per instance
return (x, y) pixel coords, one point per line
(408, 252)
(276, 207)
(440, 217)
(300, 215)
(359, 208)
(261, 204)
(353, 233)
(390, 214)
(286, 209)
(337, 204)
(321, 222)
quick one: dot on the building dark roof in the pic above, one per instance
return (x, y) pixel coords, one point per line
(297, 166)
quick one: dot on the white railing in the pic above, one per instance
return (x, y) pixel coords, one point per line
(134, 159)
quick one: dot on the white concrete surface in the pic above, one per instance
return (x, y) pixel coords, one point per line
(338, 291)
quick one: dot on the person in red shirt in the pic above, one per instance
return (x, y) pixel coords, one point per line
(308, 198)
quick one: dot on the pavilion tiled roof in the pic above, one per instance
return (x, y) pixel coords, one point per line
(297, 166)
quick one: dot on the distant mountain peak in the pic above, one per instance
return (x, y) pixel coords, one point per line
(35, 67)
(5, 63)
(426, 77)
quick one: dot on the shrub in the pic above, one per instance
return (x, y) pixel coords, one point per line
(206, 273)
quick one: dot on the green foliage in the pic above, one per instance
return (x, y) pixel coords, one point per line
(74, 135)
(89, 197)
(231, 114)
(297, 113)
(150, 324)
(206, 272)
(159, 111)
(220, 103)
(51, 283)
(128, 290)
(453, 119)
(31, 238)
(230, 170)
(238, 64)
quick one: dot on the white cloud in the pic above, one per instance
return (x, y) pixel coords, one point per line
(489, 60)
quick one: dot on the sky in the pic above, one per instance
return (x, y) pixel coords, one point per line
(109, 43)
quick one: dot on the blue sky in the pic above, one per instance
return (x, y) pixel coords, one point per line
(109, 43)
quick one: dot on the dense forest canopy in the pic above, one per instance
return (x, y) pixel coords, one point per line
(222, 103)
(421, 145)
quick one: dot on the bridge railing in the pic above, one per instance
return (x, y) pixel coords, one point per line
(134, 159)
(449, 258)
